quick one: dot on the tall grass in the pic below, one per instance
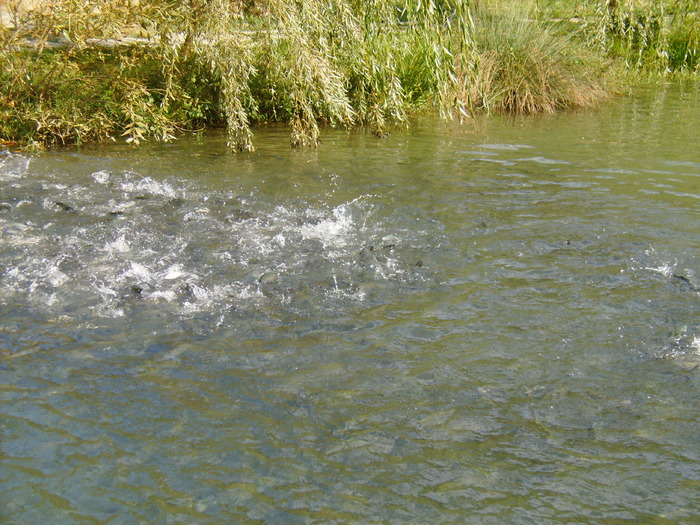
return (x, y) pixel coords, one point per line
(525, 68)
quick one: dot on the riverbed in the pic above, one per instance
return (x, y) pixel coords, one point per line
(495, 322)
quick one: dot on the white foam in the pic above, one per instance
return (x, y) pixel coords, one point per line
(56, 277)
(117, 246)
(331, 231)
(280, 239)
(148, 185)
(101, 177)
(139, 271)
(14, 166)
(16, 274)
(199, 213)
(167, 295)
(106, 292)
(174, 272)
(250, 292)
(665, 269)
(199, 293)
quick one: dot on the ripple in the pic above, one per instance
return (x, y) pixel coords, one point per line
(505, 147)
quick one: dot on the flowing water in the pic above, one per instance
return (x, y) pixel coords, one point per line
(497, 324)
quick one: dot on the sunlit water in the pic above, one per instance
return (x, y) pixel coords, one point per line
(497, 324)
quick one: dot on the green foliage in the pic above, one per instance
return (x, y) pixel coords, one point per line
(684, 37)
(308, 63)
(80, 71)
(652, 36)
(637, 31)
(64, 83)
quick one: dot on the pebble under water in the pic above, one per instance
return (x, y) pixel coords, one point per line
(496, 323)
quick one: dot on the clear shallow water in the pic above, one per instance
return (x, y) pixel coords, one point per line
(451, 325)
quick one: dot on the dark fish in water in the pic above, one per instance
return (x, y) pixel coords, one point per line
(683, 279)
(65, 207)
(176, 202)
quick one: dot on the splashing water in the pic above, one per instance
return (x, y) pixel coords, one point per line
(129, 242)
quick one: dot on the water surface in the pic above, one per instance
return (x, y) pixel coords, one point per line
(496, 323)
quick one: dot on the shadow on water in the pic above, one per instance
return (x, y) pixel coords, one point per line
(491, 324)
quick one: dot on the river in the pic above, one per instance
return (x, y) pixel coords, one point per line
(490, 323)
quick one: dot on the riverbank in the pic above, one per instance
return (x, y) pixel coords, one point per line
(140, 70)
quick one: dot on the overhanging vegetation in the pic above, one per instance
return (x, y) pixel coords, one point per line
(77, 72)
